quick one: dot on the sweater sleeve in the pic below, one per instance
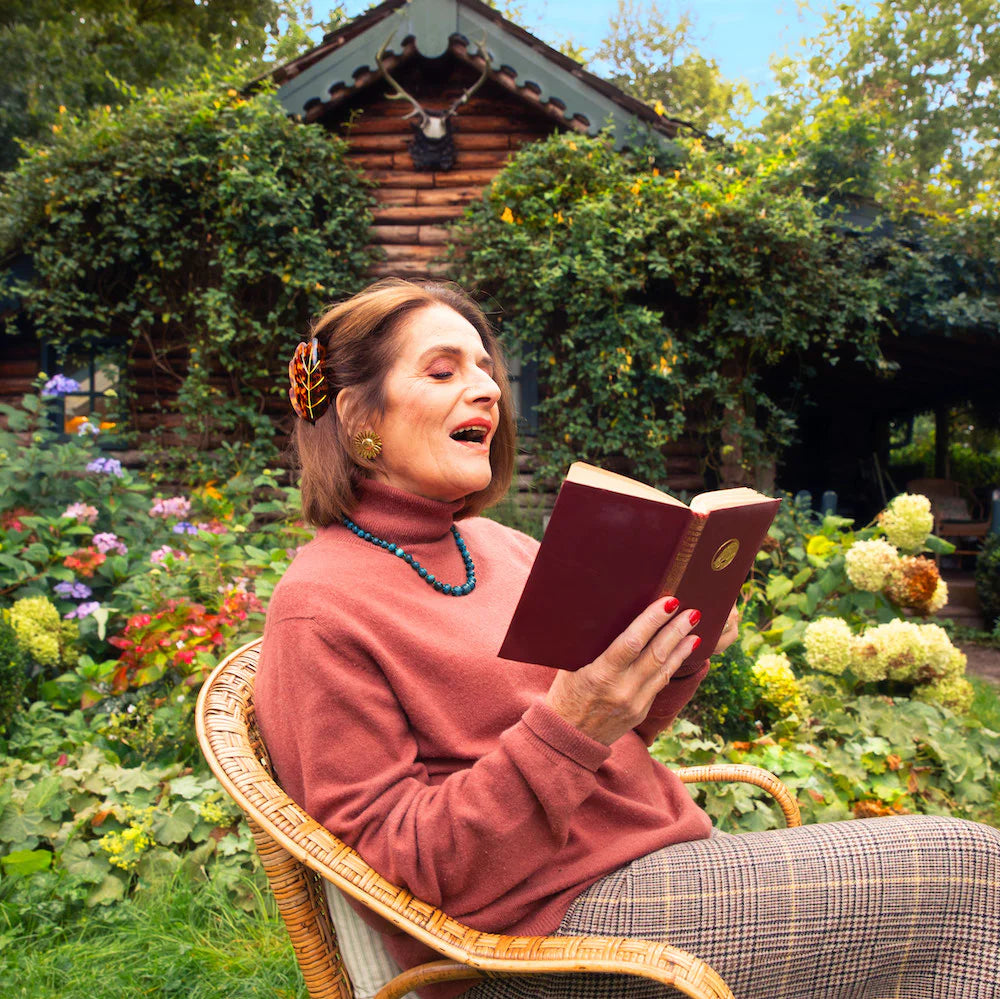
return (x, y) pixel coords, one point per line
(669, 702)
(336, 731)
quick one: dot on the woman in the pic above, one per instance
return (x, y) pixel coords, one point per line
(515, 797)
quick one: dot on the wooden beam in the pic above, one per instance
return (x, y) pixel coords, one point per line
(419, 214)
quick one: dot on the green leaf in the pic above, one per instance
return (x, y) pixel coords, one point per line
(175, 826)
(777, 587)
(938, 545)
(24, 862)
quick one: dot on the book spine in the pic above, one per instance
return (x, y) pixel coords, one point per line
(685, 549)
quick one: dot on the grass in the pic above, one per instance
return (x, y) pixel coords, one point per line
(177, 939)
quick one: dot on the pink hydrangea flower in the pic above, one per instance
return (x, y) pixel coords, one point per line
(162, 554)
(175, 506)
(110, 544)
(82, 512)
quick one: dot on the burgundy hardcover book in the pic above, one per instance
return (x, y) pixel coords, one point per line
(613, 545)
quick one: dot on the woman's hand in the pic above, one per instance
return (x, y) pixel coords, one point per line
(614, 693)
(730, 633)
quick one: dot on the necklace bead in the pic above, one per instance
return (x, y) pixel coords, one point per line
(428, 577)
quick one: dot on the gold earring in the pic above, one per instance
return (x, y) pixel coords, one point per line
(367, 445)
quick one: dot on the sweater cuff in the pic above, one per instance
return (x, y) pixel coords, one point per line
(565, 738)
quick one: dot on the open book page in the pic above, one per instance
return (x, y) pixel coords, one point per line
(703, 503)
(600, 478)
(721, 499)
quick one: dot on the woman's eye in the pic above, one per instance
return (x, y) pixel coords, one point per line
(441, 375)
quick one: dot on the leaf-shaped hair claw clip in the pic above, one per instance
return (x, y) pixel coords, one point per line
(308, 390)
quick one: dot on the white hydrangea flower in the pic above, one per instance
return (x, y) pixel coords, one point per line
(866, 662)
(953, 692)
(907, 521)
(828, 644)
(938, 654)
(869, 564)
(899, 649)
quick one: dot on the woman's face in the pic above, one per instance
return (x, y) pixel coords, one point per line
(441, 408)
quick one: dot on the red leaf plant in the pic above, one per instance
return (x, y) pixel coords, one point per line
(172, 638)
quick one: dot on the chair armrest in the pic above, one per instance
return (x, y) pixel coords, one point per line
(749, 775)
(647, 959)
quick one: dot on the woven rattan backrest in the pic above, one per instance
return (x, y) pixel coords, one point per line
(227, 731)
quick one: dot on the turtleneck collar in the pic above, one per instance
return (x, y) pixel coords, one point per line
(400, 516)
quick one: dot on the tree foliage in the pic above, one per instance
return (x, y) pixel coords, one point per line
(656, 300)
(197, 220)
(79, 55)
(652, 57)
(930, 70)
(708, 296)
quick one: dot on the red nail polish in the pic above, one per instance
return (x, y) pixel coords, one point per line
(671, 604)
(697, 642)
(694, 617)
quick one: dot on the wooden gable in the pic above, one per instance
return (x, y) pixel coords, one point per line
(531, 91)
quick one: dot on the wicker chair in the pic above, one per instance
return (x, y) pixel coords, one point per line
(296, 852)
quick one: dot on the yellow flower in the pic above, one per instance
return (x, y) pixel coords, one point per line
(819, 545)
(558, 217)
(507, 215)
(636, 188)
(659, 108)
(62, 108)
(209, 490)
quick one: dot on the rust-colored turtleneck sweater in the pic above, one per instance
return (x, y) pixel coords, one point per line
(390, 719)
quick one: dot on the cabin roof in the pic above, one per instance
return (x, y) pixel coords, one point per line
(344, 64)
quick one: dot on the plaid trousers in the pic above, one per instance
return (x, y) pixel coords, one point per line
(904, 907)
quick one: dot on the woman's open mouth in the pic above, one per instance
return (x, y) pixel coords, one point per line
(473, 433)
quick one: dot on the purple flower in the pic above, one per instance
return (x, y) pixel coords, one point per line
(184, 527)
(106, 466)
(59, 385)
(84, 610)
(110, 544)
(86, 428)
(73, 591)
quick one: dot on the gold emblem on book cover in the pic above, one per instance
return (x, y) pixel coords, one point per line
(726, 553)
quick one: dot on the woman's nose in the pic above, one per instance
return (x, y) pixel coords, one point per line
(483, 388)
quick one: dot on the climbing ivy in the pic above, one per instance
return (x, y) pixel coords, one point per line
(199, 224)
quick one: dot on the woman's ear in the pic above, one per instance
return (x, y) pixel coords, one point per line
(346, 403)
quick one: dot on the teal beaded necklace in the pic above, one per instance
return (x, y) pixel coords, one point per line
(455, 591)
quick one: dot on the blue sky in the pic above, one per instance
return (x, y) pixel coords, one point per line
(740, 35)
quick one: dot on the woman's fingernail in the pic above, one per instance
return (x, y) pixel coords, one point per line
(697, 641)
(671, 604)
(694, 617)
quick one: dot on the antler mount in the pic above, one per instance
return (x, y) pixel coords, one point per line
(432, 146)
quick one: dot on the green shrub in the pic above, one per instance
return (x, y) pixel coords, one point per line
(728, 697)
(988, 580)
(13, 672)
(205, 227)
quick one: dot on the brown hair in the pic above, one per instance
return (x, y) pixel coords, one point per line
(360, 338)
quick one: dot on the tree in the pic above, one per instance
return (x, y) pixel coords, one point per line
(931, 70)
(194, 227)
(654, 60)
(78, 56)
